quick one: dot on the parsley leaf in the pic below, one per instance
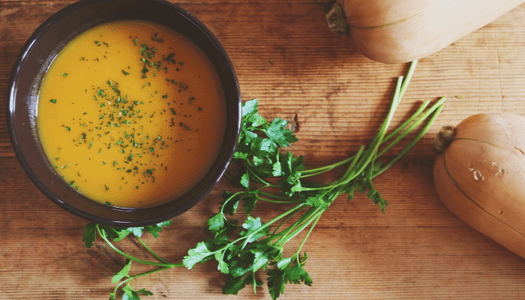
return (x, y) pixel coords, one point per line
(249, 108)
(131, 294)
(254, 229)
(90, 234)
(233, 285)
(198, 254)
(278, 133)
(122, 273)
(249, 201)
(276, 283)
(216, 222)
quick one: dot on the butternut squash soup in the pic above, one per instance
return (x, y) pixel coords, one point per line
(131, 114)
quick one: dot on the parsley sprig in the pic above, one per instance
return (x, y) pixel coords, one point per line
(122, 278)
(242, 244)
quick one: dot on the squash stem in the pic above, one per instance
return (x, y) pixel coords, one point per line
(444, 139)
(336, 19)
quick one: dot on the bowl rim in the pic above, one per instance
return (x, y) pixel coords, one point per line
(222, 164)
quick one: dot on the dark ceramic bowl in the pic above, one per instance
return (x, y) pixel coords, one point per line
(32, 64)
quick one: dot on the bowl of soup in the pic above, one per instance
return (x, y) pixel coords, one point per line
(124, 112)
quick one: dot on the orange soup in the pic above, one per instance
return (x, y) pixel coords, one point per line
(131, 114)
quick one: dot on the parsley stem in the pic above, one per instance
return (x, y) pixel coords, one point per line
(371, 153)
(412, 143)
(354, 162)
(151, 252)
(251, 169)
(416, 123)
(322, 170)
(137, 276)
(307, 235)
(315, 213)
(246, 238)
(401, 86)
(278, 196)
(228, 200)
(267, 224)
(397, 92)
(420, 118)
(166, 265)
(348, 172)
(278, 201)
(285, 220)
(283, 234)
(404, 86)
(408, 121)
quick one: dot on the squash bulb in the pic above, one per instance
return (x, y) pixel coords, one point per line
(480, 175)
(397, 31)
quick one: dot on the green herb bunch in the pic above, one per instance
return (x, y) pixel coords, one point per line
(244, 245)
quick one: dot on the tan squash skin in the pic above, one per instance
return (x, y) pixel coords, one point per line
(395, 31)
(481, 177)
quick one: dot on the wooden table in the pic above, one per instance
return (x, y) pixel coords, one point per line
(285, 56)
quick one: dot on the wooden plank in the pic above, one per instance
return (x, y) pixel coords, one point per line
(285, 56)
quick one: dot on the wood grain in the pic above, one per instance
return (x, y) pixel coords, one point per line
(285, 56)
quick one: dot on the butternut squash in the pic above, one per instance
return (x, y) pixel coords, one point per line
(394, 31)
(480, 175)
